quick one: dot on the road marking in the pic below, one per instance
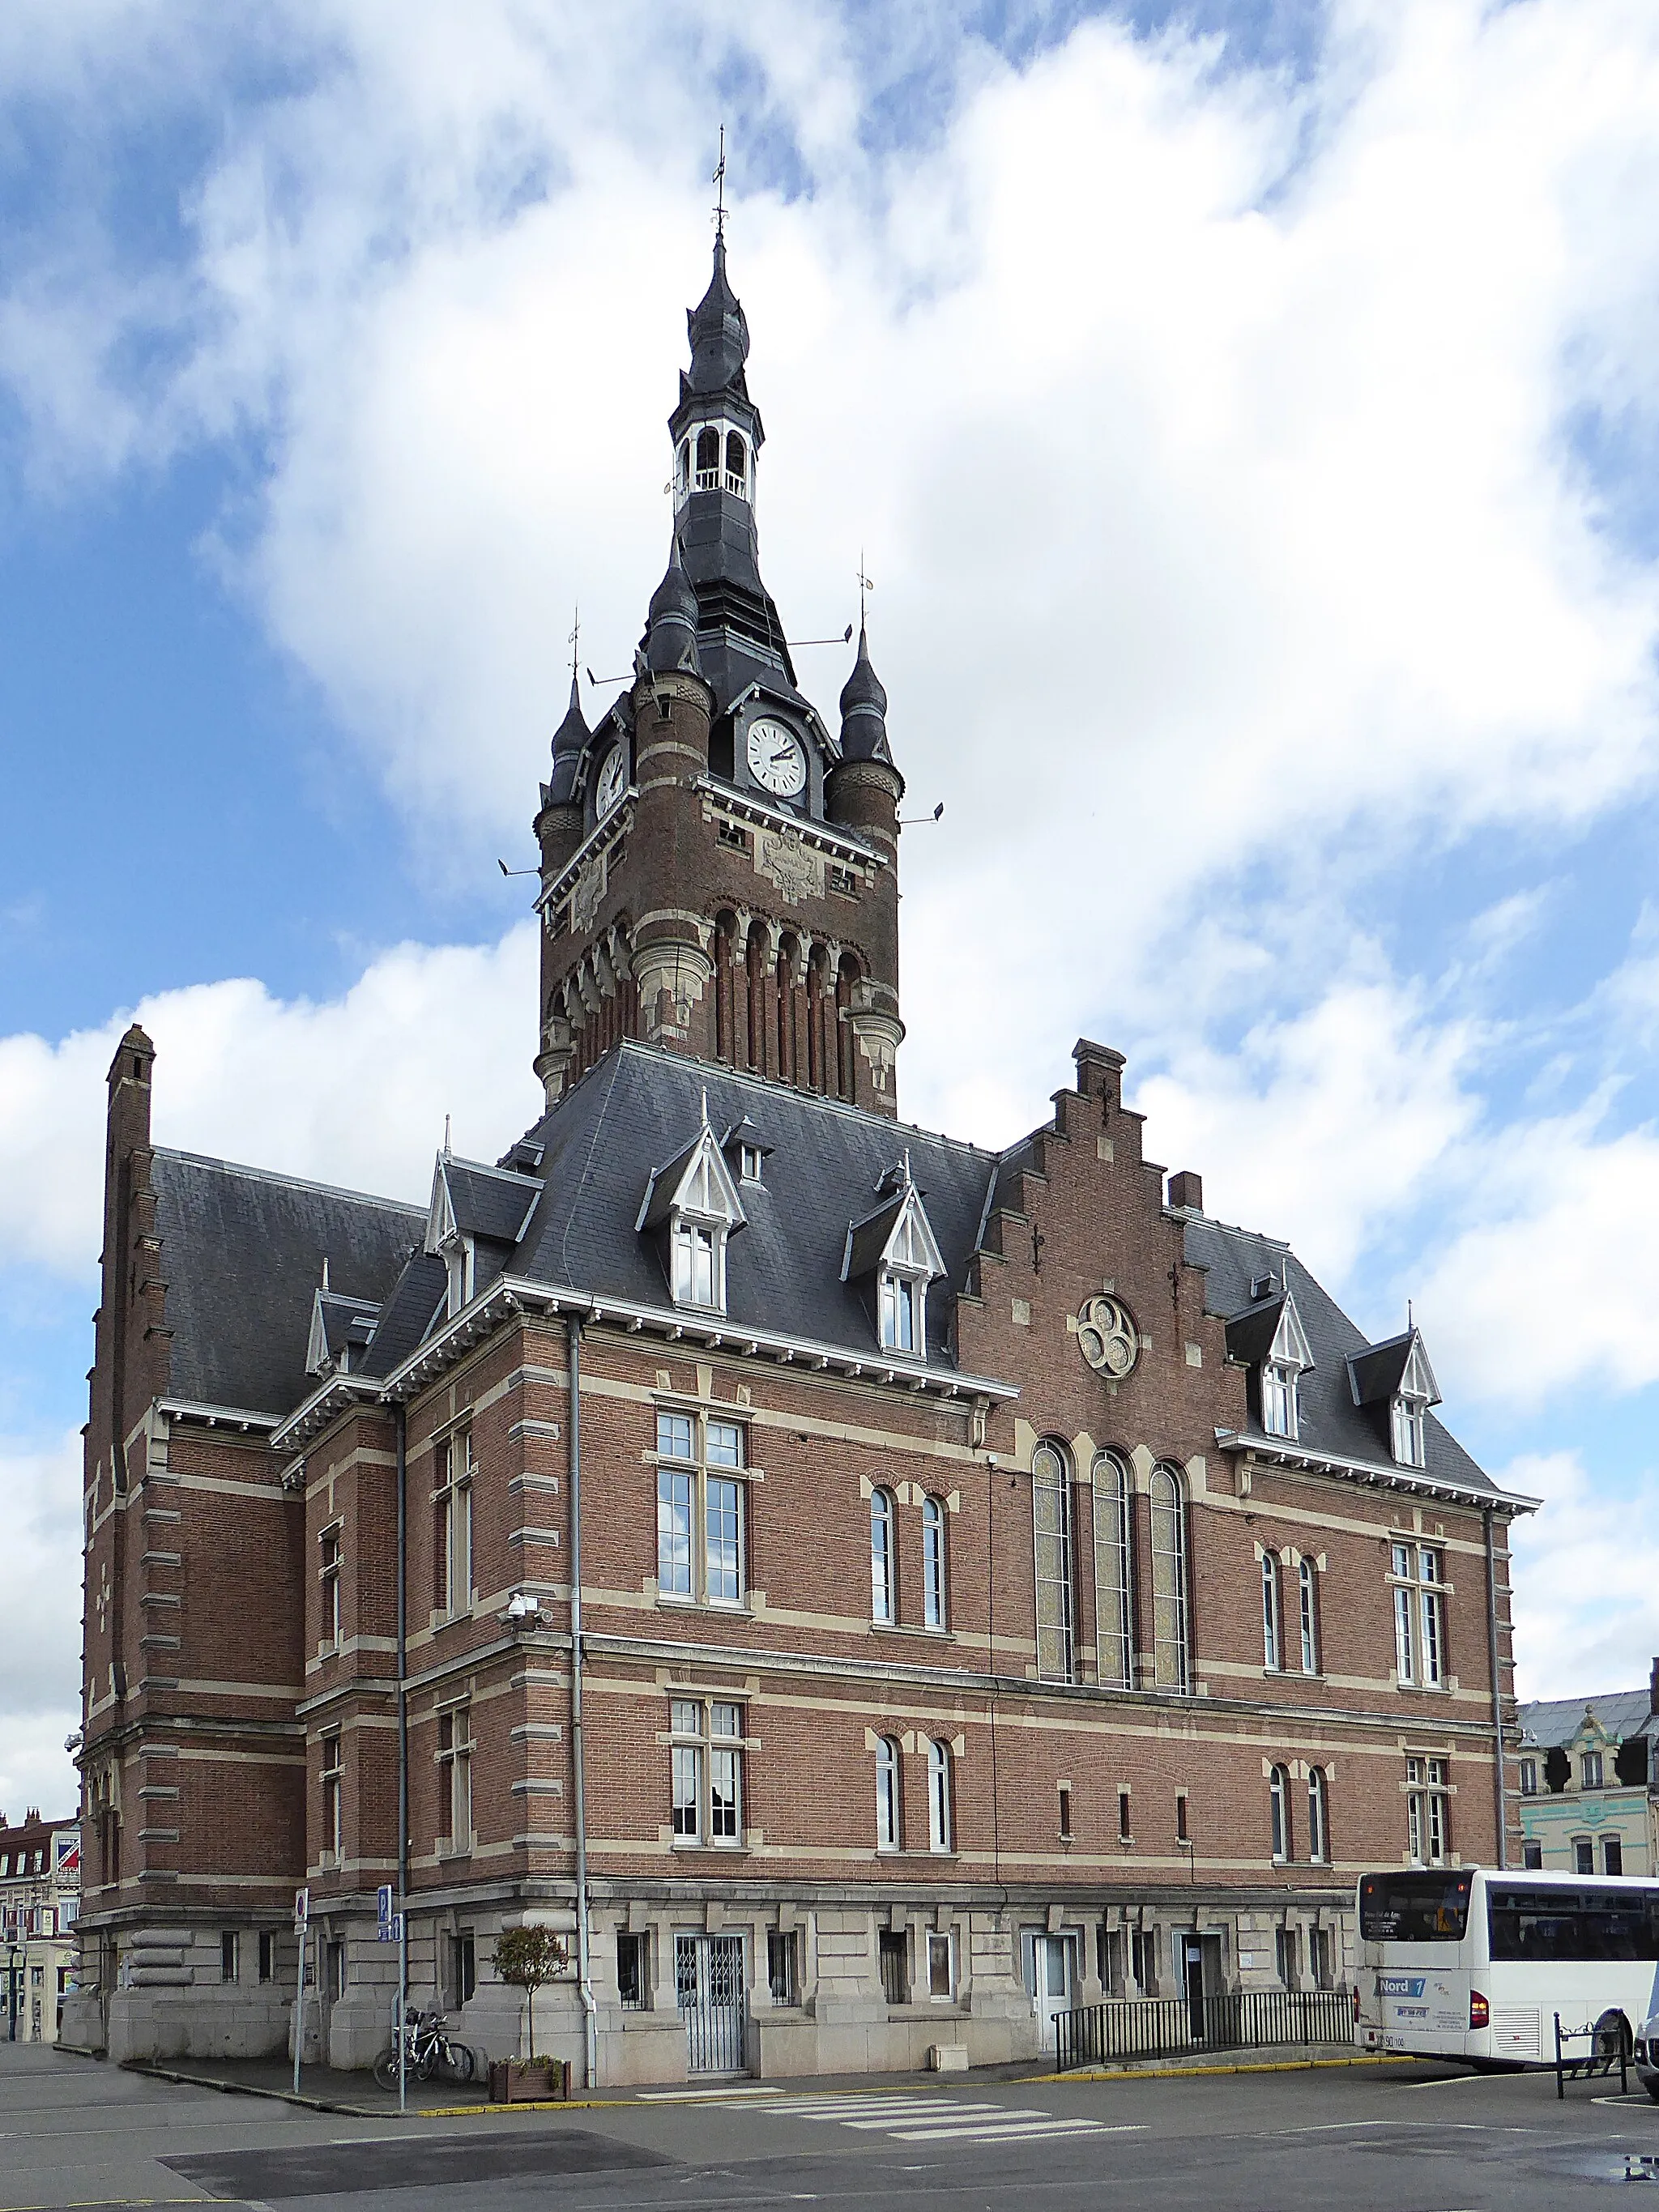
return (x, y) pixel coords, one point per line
(954, 2115)
(1447, 2081)
(703, 2096)
(1022, 2131)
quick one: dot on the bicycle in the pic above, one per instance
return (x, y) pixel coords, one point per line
(427, 2051)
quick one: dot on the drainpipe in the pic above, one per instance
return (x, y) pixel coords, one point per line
(584, 1963)
(403, 1746)
(1497, 1699)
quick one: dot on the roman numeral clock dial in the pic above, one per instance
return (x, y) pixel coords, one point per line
(777, 758)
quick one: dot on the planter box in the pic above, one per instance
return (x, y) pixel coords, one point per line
(516, 2081)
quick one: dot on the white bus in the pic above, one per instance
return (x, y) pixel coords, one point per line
(1470, 1963)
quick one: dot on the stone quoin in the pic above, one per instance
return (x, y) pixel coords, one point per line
(1002, 1584)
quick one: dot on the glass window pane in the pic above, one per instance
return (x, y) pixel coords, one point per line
(882, 1595)
(725, 1540)
(725, 1794)
(688, 1776)
(1310, 1636)
(1169, 1658)
(1114, 1582)
(725, 1720)
(724, 1444)
(685, 1717)
(932, 1563)
(1051, 1508)
(673, 1533)
(674, 1435)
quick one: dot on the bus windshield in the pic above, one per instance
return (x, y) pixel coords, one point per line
(1591, 1923)
(1414, 1908)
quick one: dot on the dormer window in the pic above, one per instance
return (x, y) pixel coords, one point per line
(1279, 1406)
(462, 1259)
(1409, 1436)
(897, 1246)
(692, 1203)
(749, 1163)
(1397, 1374)
(1269, 1337)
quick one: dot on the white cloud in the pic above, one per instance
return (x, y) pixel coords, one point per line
(1586, 1580)
(351, 1090)
(40, 1624)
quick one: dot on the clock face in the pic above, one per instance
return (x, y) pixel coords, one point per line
(777, 758)
(613, 782)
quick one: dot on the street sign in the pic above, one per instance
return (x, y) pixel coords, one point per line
(301, 1910)
(390, 1931)
(383, 1904)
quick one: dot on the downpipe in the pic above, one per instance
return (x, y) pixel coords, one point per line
(584, 1960)
(1497, 1697)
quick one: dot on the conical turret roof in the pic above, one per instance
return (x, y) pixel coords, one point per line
(719, 333)
(570, 742)
(670, 626)
(864, 710)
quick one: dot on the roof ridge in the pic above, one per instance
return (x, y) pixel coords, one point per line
(767, 1085)
(291, 1182)
(485, 1166)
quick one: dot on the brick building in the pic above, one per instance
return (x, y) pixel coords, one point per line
(40, 1897)
(1000, 1582)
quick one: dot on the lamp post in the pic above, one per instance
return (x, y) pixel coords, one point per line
(16, 1959)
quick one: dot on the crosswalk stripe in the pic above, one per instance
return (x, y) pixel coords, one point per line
(964, 2115)
(1021, 2133)
(704, 2096)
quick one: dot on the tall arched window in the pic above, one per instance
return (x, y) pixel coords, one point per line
(883, 1579)
(1309, 1592)
(1279, 1804)
(938, 1797)
(1270, 1647)
(1051, 1523)
(889, 1817)
(708, 461)
(932, 1563)
(1319, 1811)
(1171, 1667)
(1114, 1573)
(737, 464)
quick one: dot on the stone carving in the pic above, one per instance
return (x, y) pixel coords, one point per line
(785, 859)
(1108, 1337)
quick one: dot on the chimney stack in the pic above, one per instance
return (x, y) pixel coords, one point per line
(1653, 1687)
(1187, 1192)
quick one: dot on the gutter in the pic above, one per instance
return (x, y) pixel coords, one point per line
(1496, 1701)
(1282, 1451)
(584, 1962)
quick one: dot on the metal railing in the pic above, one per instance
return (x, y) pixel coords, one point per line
(1165, 2027)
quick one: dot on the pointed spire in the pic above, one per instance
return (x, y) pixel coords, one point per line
(670, 626)
(719, 333)
(573, 733)
(864, 710)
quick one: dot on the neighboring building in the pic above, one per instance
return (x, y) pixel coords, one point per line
(1000, 1583)
(1588, 1782)
(39, 1898)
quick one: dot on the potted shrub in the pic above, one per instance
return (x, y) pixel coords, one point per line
(527, 1958)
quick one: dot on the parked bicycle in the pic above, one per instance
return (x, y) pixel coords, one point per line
(428, 2052)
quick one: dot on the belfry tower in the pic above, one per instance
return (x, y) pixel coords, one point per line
(719, 871)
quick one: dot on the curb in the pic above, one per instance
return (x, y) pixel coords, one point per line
(253, 2089)
(1154, 2071)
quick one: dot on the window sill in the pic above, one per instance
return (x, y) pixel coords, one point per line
(733, 1608)
(734, 1850)
(908, 1628)
(447, 1849)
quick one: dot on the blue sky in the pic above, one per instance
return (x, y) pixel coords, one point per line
(1248, 415)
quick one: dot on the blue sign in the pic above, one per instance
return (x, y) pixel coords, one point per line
(390, 1931)
(1401, 1985)
(383, 1904)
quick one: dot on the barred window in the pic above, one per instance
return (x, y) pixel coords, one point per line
(1051, 1511)
(1114, 1573)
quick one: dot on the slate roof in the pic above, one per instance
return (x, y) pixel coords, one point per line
(1330, 1422)
(641, 1107)
(242, 1254)
(494, 1203)
(1551, 1722)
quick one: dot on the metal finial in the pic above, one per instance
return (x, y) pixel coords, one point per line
(446, 1136)
(1410, 1323)
(705, 1105)
(719, 178)
(325, 1271)
(865, 587)
(575, 642)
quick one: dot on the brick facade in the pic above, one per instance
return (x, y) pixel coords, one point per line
(1060, 1801)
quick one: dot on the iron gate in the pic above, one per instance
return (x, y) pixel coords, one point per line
(708, 1981)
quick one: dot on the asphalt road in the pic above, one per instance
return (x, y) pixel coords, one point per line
(1397, 2138)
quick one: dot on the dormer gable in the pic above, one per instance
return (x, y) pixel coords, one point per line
(895, 1247)
(473, 1205)
(1270, 1340)
(692, 1207)
(341, 1329)
(1396, 1374)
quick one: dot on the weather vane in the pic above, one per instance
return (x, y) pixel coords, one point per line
(575, 642)
(719, 178)
(865, 587)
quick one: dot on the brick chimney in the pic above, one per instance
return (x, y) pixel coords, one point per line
(1186, 1191)
(1653, 1687)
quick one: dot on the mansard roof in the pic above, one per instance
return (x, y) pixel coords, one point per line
(242, 1254)
(1549, 1721)
(1330, 1422)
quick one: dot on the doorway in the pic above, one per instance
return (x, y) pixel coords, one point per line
(1051, 1958)
(708, 1985)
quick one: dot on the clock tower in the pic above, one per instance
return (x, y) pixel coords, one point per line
(719, 868)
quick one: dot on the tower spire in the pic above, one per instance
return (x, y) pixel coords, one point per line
(718, 179)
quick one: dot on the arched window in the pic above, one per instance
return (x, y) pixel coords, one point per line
(889, 1819)
(1319, 1825)
(932, 1563)
(1279, 1804)
(1310, 1599)
(708, 461)
(737, 464)
(682, 468)
(883, 1579)
(1171, 1667)
(1114, 1573)
(1051, 1521)
(1270, 1651)
(938, 1797)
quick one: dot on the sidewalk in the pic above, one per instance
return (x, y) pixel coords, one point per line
(324, 2089)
